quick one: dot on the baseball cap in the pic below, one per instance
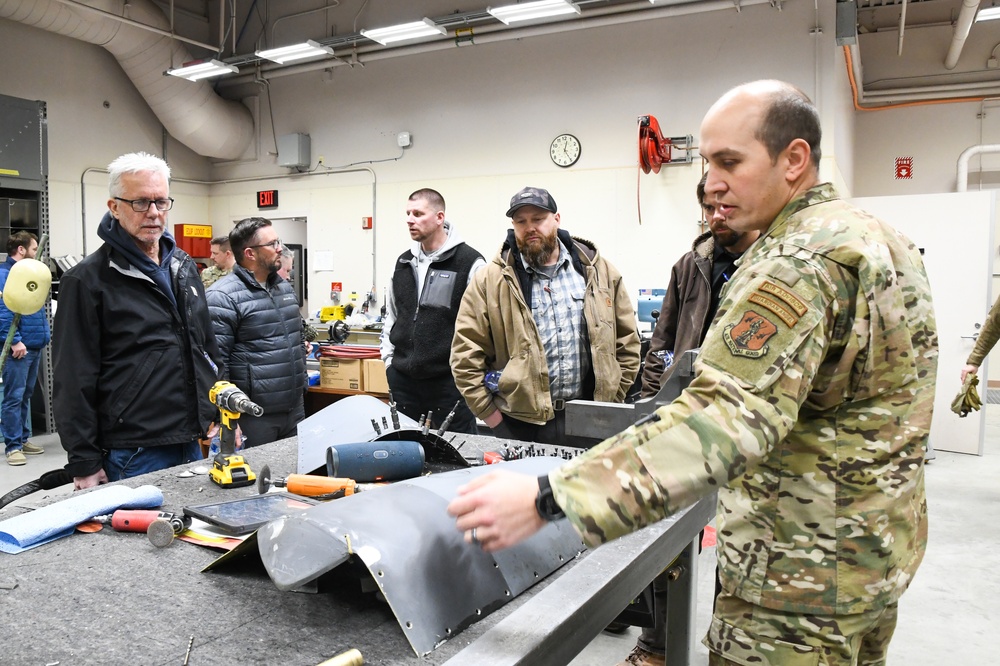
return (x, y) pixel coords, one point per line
(532, 196)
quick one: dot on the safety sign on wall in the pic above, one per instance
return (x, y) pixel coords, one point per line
(904, 168)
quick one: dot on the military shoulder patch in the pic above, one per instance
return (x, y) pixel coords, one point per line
(774, 306)
(748, 338)
(788, 297)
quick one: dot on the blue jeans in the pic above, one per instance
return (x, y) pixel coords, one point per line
(19, 376)
(125, 463)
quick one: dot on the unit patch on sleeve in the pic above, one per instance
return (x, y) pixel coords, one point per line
(777, 307)
(748, 338)
(788, 297)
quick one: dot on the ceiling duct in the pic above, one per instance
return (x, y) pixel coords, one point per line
(190, 111)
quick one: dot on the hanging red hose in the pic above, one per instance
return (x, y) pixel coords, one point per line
(341, 351)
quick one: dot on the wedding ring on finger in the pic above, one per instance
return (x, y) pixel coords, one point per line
(474, 539)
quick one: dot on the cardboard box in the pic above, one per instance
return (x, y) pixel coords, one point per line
(340, 373)
(374, 376)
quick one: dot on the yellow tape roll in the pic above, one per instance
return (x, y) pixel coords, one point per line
(27, 286)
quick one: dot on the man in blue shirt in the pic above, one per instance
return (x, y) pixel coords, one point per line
(20, 371)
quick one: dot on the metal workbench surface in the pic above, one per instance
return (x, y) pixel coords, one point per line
(114, 598)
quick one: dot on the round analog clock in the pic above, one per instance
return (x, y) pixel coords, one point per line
(565, 150)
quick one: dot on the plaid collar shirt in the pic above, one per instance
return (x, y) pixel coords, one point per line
(557, 307)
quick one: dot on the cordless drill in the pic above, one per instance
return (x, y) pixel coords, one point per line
(228, 469)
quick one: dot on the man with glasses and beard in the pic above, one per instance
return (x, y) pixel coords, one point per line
(547, 321)
(259, 330)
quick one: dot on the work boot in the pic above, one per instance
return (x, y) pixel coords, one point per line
(641, 657)
(31, 449)
(616, 627)
(16, 458)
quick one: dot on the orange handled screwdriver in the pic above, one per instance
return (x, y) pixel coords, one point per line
(309, 485)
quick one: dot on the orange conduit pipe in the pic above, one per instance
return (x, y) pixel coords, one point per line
(892, 105)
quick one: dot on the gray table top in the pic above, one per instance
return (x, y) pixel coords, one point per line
(114, 598)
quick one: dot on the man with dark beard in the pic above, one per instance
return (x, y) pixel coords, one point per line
(696, 282)
(547, 321)
(259, 329)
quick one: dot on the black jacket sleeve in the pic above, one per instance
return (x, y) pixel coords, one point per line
(76, 352)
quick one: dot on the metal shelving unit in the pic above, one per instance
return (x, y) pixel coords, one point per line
(24, 188)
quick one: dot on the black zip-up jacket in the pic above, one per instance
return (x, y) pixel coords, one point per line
(259, 331)
(422, 332)
(130, 369)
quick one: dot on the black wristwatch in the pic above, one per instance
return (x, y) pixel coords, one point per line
(545, 503)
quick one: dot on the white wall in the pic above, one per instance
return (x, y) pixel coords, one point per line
(75, 80)
(481, 118)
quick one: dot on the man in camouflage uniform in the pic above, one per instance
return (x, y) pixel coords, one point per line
(809, 413)
(222, 255)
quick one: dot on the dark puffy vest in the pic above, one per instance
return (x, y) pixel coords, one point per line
(421, 335)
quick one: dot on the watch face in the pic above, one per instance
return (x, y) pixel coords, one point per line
(565, 150)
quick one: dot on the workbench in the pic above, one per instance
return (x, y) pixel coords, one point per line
(114, 598)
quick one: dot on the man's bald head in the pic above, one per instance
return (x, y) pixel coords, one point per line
(787, 114)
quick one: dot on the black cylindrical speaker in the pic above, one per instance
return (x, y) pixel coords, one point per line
(366, 462)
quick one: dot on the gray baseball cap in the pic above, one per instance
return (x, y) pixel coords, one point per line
(532, 196)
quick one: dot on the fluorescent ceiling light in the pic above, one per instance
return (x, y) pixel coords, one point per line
(203, 69)
(988, 14)
(285, 54)
(532, 10)
(397, 33)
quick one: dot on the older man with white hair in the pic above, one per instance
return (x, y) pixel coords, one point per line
(134, 351)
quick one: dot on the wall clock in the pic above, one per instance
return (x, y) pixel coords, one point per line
(565, 150)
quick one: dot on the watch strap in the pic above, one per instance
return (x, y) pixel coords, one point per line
(545, 503)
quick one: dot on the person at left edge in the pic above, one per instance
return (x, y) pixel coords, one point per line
(21, 369)
(259, 329)
(426, 291)
(133, 348)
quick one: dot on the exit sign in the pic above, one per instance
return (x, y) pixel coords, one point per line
(267, 199)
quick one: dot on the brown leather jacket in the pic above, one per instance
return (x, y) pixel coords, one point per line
(683, 316)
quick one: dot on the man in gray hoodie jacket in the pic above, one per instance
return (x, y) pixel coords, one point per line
(427, 288)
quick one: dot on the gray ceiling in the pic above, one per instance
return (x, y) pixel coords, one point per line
(900, 51)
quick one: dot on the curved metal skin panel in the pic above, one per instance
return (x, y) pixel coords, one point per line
(350, 420)
(434, 582)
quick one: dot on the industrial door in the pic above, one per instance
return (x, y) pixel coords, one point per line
(955, 233)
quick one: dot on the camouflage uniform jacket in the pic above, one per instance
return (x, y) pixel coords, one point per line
(988, 336)
(809, 413)
(211, 275)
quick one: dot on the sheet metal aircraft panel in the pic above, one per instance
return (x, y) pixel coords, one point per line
(350, 420)
(434, 582)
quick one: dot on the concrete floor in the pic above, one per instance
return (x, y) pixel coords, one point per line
(949, 614)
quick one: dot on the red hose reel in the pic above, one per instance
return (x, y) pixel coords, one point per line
(654, 148)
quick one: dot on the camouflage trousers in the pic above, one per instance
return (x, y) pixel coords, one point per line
(749, 635)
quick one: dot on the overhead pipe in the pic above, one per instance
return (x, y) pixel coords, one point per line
(136, 24)
(596, 18)
(962, 176)
(963, 24)
(902, 29)
(191, 111)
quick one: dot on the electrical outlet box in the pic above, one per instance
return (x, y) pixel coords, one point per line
(403, 139)
(293, 151)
